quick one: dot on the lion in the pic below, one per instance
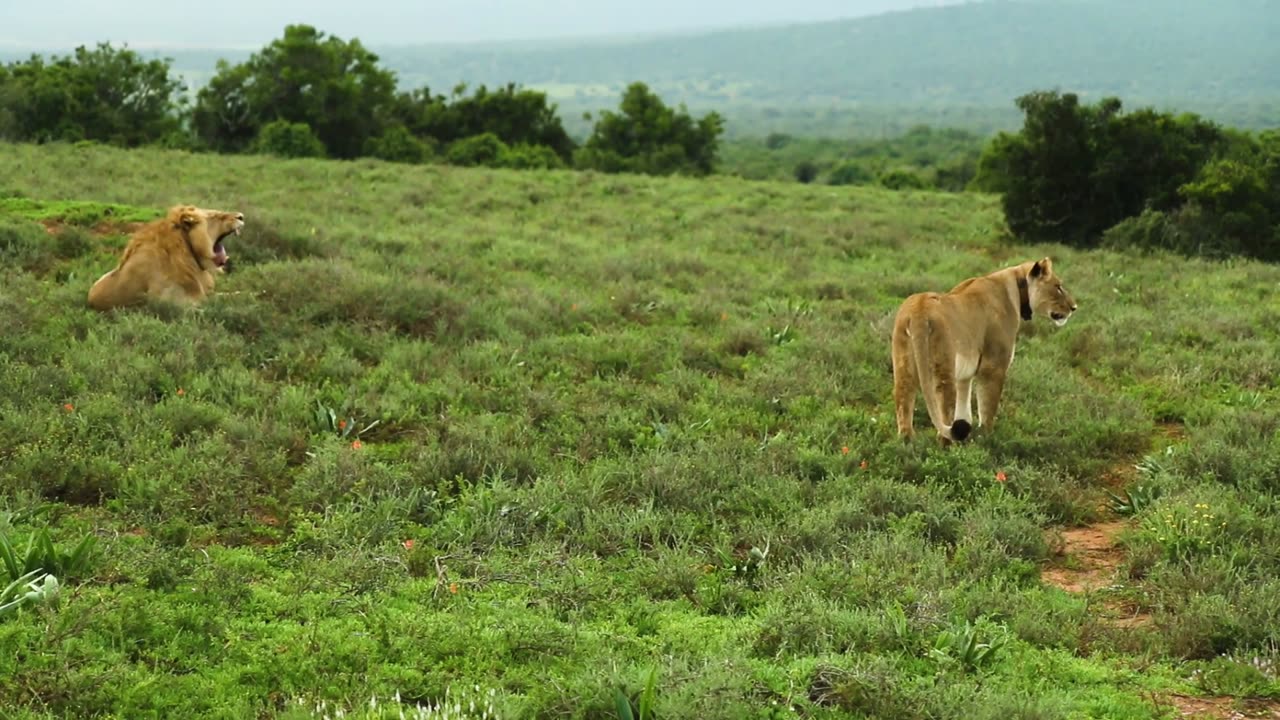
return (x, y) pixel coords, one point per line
(173, 259)
(944, 343)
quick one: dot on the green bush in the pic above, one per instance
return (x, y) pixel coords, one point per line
(531, 157)
(397, 144)
(850, 172)
(485, 149)
(288, 139)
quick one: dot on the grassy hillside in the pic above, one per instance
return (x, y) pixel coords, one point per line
(629, 433)
(948, 65)
(956, 65)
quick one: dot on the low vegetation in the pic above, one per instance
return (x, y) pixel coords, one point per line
(567, 444)
(923, 157)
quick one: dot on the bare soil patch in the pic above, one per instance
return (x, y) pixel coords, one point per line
(1223, 708)
(1089, 558)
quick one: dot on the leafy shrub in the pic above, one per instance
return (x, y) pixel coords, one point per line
(485, 149)
(531, 157)
(850, 172)
(903, 180)
(288, 139)
(1150, 230)
(397, 144)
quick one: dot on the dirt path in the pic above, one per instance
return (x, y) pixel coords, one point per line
(1086, 560)
(1222, 708)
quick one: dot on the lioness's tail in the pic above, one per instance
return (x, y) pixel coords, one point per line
(937, 383)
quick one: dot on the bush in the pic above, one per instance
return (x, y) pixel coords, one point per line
(288, 139)
(1150, 230)
(849, 173)
(903, 180)
(397, 144)
(806, 171)
(531, 157)
(485, 149)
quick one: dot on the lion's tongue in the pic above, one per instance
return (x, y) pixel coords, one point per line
(219, 253)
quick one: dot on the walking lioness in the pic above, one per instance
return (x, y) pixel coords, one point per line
(943, 343)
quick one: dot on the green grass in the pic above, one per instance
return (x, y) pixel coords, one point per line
(594, 396)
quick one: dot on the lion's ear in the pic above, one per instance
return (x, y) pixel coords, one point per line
(188, 219)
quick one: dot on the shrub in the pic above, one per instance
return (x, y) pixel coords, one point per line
(850, 173)
(484, 149)
(397, 144)
(903, 180)
(531, 157)
(288, 139)
(806, 171)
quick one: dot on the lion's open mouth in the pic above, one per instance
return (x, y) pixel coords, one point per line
(1058, 318)
(220, 251)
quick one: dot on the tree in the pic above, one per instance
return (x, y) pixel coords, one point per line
(646, 136)
(105, 94)
(334, 86)
(513, 115)
(1074, 170)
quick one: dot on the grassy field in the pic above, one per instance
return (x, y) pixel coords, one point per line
(542, 439)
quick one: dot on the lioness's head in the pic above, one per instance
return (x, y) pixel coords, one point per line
(1047, 295)
(207, 230)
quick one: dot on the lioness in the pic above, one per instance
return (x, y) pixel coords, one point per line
(173, 258)
(942, 343)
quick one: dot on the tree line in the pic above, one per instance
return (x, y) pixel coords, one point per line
(1093, 175)
(308, 94)
(1084, 175)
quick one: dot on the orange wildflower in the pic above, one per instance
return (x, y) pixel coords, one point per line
(1000, 476)
(408, 544)
(357, 445)
(863, 464)
(453, 588)
(181, 392)
(844, 450)
(342, 424)
(69, 407)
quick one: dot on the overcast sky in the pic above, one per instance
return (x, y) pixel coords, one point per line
(58, 24)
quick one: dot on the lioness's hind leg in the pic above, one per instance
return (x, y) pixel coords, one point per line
(990, 388)
(905, 385)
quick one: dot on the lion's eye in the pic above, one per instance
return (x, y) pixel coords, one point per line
(1060, 292)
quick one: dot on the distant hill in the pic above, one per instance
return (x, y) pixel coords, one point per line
(1220, 58)
(959, 65)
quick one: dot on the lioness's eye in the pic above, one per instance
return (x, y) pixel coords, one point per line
(1060, 290)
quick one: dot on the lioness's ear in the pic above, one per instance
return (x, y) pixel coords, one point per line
(189, 219)
(1043, 267)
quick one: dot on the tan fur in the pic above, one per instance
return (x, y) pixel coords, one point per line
(944, 344)
(171, 259)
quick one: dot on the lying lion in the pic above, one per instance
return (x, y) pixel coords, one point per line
(173, 259)
(946, 343)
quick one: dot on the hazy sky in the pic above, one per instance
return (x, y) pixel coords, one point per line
(251, 23)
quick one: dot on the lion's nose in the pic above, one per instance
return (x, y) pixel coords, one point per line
(240, 216)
